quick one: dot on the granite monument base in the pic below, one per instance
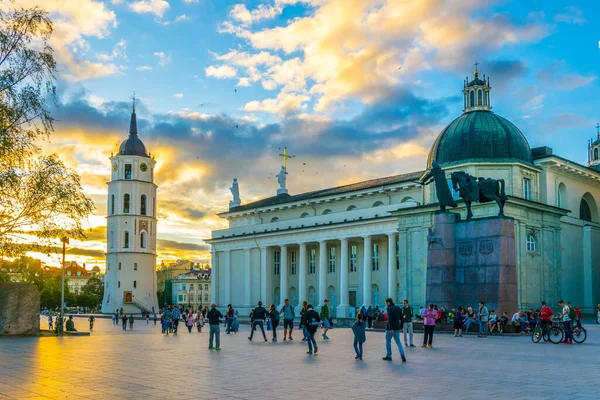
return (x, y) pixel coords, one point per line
(19, 309)
(472, 261)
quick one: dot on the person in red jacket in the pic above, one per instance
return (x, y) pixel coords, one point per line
(546, 315)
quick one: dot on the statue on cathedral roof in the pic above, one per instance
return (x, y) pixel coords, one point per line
(235, 191)
(281, 176)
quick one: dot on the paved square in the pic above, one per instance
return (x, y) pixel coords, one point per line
(142, 363)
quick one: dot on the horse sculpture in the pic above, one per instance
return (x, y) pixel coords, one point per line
(482, 190)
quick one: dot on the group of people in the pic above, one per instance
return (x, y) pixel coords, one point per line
(116, 317)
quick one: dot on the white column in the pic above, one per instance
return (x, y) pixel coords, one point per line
(392, 266)
(342, 309)
(367, 268)
(227, 277)
(263, 274)
(283, 275)
(214, 271)
(302, 278)
(322, 271)
(248, 292)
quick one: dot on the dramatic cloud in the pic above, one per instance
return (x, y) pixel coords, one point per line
(555, 77)
(221, 72)
(352, 49)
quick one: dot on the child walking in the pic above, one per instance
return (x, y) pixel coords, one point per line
(360, 336)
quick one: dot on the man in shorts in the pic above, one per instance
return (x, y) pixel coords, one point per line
(288, 318)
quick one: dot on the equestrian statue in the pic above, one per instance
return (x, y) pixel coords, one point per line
(438, 176)
(482, 190)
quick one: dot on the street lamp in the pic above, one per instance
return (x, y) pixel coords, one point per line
(65, 241)
(200, 280)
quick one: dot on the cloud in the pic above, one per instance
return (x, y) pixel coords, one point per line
(119, 51)
(181, 18)
(572, 15)
(221, 72)
(555, 76)
(144, 68)
(163, 58)
(284, 103)
(345, 50)
(155, 7)
(74, 23)
(178, 95)
(503, 72)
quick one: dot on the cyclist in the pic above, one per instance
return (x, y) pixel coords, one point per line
(546, 316)
(91, 319)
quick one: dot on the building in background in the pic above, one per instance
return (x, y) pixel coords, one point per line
(192, 288)
(130, 281)
(77, 276)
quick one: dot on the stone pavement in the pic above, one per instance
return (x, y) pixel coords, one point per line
(113, 364)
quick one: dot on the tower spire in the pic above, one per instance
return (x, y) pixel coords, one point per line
(133, 123)
(598, 130)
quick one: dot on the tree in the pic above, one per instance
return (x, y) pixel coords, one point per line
(94, 287)
(40, 196)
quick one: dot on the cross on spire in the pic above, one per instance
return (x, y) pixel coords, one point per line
(133, 98)
(285, 157)
(598, 129)
(476, 65)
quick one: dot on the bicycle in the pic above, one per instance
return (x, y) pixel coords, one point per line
(556, 334)
(539, 333)
(579, 334)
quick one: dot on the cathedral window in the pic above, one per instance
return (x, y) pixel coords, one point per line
(304, 215)
(378, 204)
(112, 204)
(126, 240)
(479, 97)
(531, 243)
(332, 260)
(353, 263)
(108, 267)
(596, 153)
(293, 263)
(111, 239)
(274, 219)
(276, 262)
(126, 198)
(135, 266)
(127, 171)
(397, 255)
(328, 211)
(472, 98)
(527, 188)
(312, 261)
(485, 95)
(375, 256)
(119, 266)
(143, 240)
(119, 284)
(143, 205)
(350, 208)
(585, 213)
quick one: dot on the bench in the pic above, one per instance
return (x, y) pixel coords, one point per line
(76, 333)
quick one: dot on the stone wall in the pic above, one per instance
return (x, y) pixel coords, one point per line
(19, 309)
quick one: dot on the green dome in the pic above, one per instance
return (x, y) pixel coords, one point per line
(480, 136)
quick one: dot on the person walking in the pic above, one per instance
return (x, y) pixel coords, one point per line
(50, 322)
(199, 321)
(407, 316)
(131, 321)
(114, 318)
(214, 317)
(566, 320)
(175, 316)
(370, 314)
(429, 317)
(483, 318)
(325, 318)
(189, 321)
(392, 330)
(124, 321)
(312, 319)
(458, 322)
(147, 318)
(359, 328)
(578, 317)
(302, 324)
(229, 318)
(91, 319)
(166, 320)
(259, 316)
(154, 317)
(288, 319)
(274, 316)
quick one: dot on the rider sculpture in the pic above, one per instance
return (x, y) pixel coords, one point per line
(482, 190)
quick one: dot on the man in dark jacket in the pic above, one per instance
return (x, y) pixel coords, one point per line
(214, 316)
(311, 320)
(392, 329)
(259, 316)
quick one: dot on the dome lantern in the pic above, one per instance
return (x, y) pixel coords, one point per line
(594, 150)
(476, 93)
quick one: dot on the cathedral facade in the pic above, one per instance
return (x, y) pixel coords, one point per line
(361, 243)
(130, 279)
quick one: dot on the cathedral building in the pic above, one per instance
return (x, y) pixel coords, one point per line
(361, 243)
(130, 279)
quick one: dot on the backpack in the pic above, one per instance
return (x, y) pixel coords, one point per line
(571, 314)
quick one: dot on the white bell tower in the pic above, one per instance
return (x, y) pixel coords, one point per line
(130, 279)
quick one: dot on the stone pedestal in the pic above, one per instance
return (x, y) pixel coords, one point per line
(19, 309)
(482, 267)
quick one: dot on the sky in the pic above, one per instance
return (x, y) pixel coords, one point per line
(356, 89)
